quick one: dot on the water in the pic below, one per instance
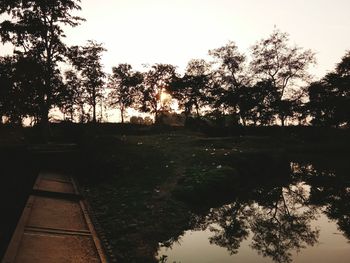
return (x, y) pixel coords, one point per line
(304, 217)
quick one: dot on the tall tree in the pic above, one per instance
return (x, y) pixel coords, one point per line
(87, 60)
(319, 106)
(257, 103)
(73, 96)
(124, 84)
(330, 97)
(36, 28)
(230, 76)
(343, 67)
(21, 86)
(343, 86)
(192, 90)
(156, 81)
(283, 65)
(6, 84)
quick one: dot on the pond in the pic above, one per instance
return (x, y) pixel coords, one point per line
(301, 216)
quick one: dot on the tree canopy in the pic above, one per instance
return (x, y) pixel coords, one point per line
(269, 86)
(87, 60)
(124, 85)
(36, 30)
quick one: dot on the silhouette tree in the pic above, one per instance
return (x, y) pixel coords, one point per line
(156, 81)
(257, 103)
(6, 69)
(73, 96)
(229, 77)
(124, 84)
(192, 90)
(298, 106)
(87, 60)
(341, 87)
(319, 106)
(21, 86)
(285, 109)
(330, 97)
(36, 28)
(274, 60)
(343, 67)
(30, 86)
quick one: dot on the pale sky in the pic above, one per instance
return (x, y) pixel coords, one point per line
(175, 31)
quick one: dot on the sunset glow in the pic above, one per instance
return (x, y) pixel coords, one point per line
(165, 97)
(158, 31)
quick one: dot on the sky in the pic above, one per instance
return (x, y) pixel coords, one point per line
(174, 31)
(142, 32)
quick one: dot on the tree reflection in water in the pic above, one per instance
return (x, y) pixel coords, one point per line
(330, 188)
(279, 225)
(277, 216)
(285, 224)
(229, 225)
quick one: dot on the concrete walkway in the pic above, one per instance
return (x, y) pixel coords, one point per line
(55, 226)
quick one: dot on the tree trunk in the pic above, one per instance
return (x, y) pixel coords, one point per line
(122, 114)
(187, 114)
(82, 113)
(47, 92)
(283, 119)
(244, 121)
(156, 121)
(44, 123)
(94, 105)
(94, 113)
(72, 114)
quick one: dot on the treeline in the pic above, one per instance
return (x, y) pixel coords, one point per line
(270, 86)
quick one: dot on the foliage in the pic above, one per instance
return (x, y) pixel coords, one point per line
(330, 97)
(124, 84)
(36, 30)
(87, 60)
(23, 89)
(192, 90)
(283, 65)
(229, 77)
(73, 96)
(269, 90)
(275, 60)
(156, 81)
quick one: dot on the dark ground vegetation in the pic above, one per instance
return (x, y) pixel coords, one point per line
(17, 177)
(144, 183)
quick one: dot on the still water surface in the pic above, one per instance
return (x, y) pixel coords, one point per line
(303, 216)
